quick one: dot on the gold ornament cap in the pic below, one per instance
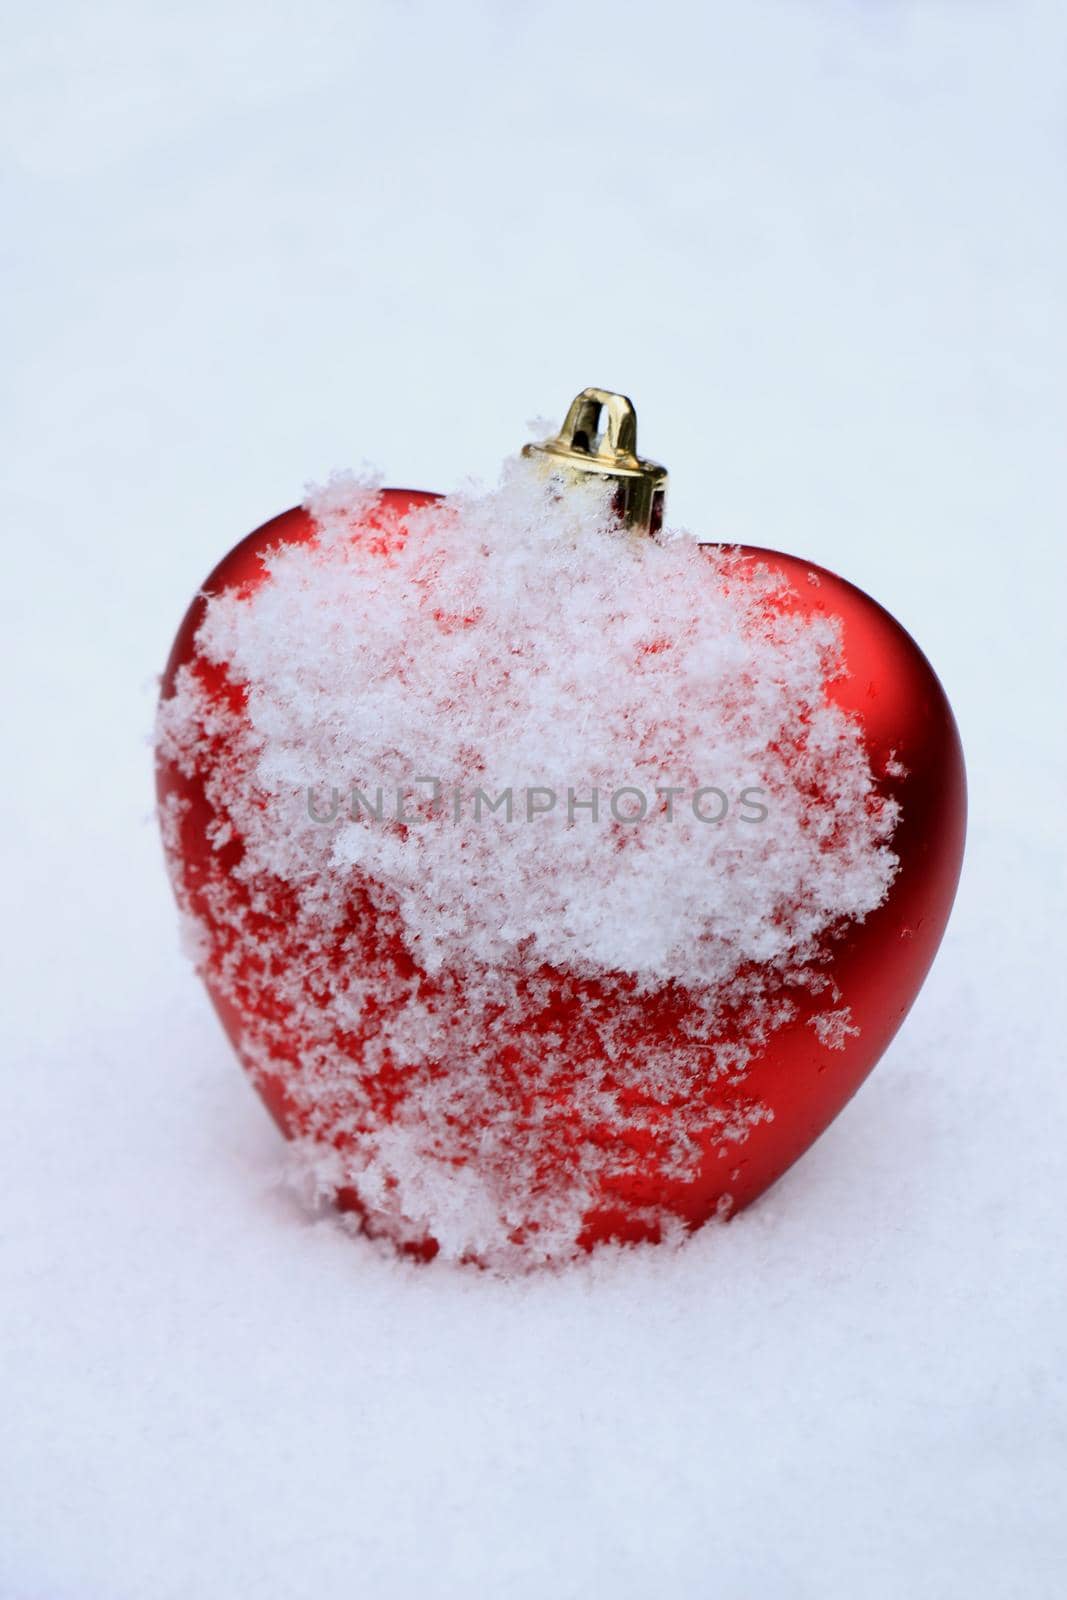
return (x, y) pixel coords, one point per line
(599, 439)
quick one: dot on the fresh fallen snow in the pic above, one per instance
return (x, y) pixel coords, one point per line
(678, 803)
(518, 641)
(826, 252)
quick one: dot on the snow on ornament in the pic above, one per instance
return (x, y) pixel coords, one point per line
(556, 876)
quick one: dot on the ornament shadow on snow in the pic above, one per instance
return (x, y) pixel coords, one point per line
(510, 1045)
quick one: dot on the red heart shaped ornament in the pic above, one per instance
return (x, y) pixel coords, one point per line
(529, 1101)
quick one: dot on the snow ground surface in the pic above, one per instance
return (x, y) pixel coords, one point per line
(823, 246)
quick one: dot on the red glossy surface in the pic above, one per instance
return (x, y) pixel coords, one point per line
(878, 966)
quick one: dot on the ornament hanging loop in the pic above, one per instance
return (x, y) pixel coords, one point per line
(599, 439)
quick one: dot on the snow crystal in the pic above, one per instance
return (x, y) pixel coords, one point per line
(834, 1028)
(506, 764)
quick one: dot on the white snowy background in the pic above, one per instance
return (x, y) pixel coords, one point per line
(822, 244)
